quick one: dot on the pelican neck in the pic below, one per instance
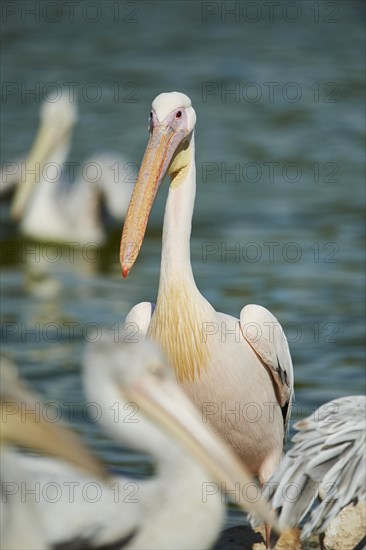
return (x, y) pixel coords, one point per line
(176, 255)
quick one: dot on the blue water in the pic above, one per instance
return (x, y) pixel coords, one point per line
(280, 177)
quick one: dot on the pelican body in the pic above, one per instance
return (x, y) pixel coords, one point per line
(237, 371)
(327, 459)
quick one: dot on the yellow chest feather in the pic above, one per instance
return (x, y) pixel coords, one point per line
(177, 326)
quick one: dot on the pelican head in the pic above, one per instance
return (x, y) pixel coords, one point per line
(171, 124)
(57, 119)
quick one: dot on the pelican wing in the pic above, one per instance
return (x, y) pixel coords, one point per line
(266, 337)
(138, 318)
(327, 459)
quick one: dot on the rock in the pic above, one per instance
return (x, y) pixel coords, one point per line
(347, 530)
(244, 537)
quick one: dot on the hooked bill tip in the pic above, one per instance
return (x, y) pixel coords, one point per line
(125, 271)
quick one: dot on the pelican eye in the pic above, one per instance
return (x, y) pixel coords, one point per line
(178, 114)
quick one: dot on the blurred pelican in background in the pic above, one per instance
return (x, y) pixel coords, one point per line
(141, 406)
(50, 208)
(327, 460)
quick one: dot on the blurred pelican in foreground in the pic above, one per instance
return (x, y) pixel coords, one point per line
(223, 363)
(43, 500)
(141, 406)
(48, 207)
(327, 460)
(182, 507)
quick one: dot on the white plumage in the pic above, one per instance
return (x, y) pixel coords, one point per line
(327, 460)
(142, 407)
(50, 203)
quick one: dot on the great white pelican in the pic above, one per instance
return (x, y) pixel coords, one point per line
(237, 371)
(49, 202)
